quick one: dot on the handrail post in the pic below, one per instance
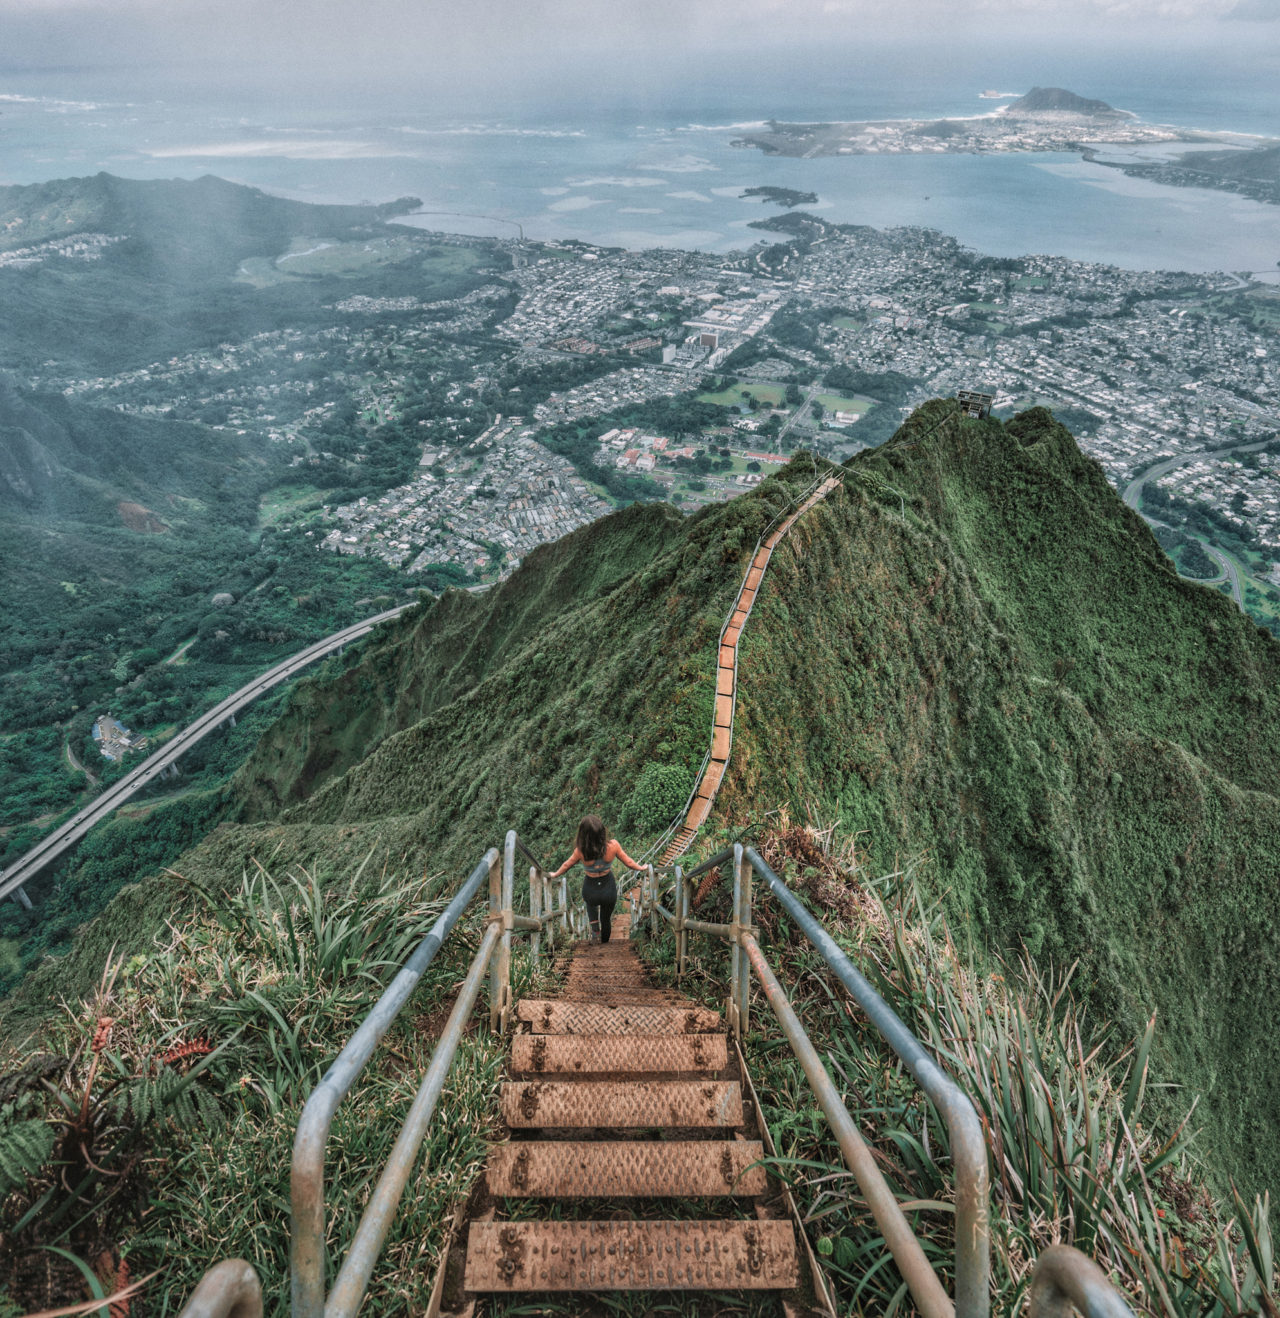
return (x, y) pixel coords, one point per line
(736, 958)
(741, 925)
(535, 910)
(1065, 1281)
(682, 910)
(652, 880)
(230, 1290)
(564, 906)
(495, 965)
(549, 906)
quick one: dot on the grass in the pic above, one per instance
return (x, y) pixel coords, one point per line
(1075, 1154)
(840, 403)
(738, 395)
(275, 975)
(286, 501)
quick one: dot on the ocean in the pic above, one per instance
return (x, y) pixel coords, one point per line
(647, 161)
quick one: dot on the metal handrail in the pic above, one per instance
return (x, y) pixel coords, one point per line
(353, 1278)
(1066, 1281)
(968, 1144)
(227, 1288)
(925, 1287)
(964, 1126)
(306, 1181)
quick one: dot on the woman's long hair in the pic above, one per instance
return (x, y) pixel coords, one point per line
(592, 837)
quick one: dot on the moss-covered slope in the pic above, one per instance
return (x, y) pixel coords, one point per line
(973, 653)
(981, 656)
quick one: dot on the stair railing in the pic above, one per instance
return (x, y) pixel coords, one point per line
(1063, 1277)
(220, 1292)
(1065, 1281)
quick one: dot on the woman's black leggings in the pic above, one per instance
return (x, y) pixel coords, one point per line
(601, 896)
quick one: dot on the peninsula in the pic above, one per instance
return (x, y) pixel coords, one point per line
(1045, 119)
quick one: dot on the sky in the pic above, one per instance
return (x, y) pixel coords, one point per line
(522, 41)
(476, 34)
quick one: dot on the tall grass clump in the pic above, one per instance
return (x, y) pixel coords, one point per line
(228, 1024)
(1076, 1154)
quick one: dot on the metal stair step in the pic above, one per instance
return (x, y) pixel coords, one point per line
(620, 1104)
(630, 1256)
(599, 1169)
(551, 1016)
(585, 1054)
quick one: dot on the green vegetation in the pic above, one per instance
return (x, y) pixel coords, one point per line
(1076, 1157)
(841, 403)
(198, 1052)
(1000, 671)
(787, 197)
(745, 396)
(144, 510)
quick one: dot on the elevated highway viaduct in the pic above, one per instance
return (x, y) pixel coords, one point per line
(163, 762)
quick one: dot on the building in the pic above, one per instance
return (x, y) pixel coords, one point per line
(975, 403)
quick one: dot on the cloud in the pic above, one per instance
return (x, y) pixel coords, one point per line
(1263, 11)
(508, 48)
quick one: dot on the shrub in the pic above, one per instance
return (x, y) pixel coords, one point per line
(659, 792)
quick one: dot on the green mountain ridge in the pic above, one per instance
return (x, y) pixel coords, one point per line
(974, 655)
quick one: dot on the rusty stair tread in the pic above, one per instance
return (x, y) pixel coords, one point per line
(621, 1104)
(617, 1256)
(585, 1054)
(551, 1016)
(626, 1169)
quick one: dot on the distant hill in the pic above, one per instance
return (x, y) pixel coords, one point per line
(164, 283)
(1057, 100)
(1262, 164)
(975, 657)
(66, 458)
(188, 226)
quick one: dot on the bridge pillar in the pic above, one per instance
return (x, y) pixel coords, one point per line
(19, 895)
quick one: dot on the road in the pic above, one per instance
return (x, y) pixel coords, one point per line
(1133, 497)
(48, 849)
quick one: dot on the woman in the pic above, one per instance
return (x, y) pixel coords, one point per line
(597, 851)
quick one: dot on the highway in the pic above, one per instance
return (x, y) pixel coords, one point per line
(64, 837)
(1133, 497)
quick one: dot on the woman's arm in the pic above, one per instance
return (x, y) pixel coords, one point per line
(616, 853)
(568, 865)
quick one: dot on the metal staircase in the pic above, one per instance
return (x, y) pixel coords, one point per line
(679, 837)
(620, 1090)
(623, 1091)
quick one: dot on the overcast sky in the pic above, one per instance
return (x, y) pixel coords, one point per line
(523, 39)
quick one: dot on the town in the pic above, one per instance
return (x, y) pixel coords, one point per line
(583, 377)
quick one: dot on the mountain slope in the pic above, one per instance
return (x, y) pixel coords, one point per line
(974, 654)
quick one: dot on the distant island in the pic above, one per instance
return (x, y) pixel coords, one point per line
(1044, 119)
(782, 196)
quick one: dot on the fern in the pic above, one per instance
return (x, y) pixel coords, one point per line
(25, 1145)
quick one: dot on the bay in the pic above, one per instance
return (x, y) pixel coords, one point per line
(638, 165)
